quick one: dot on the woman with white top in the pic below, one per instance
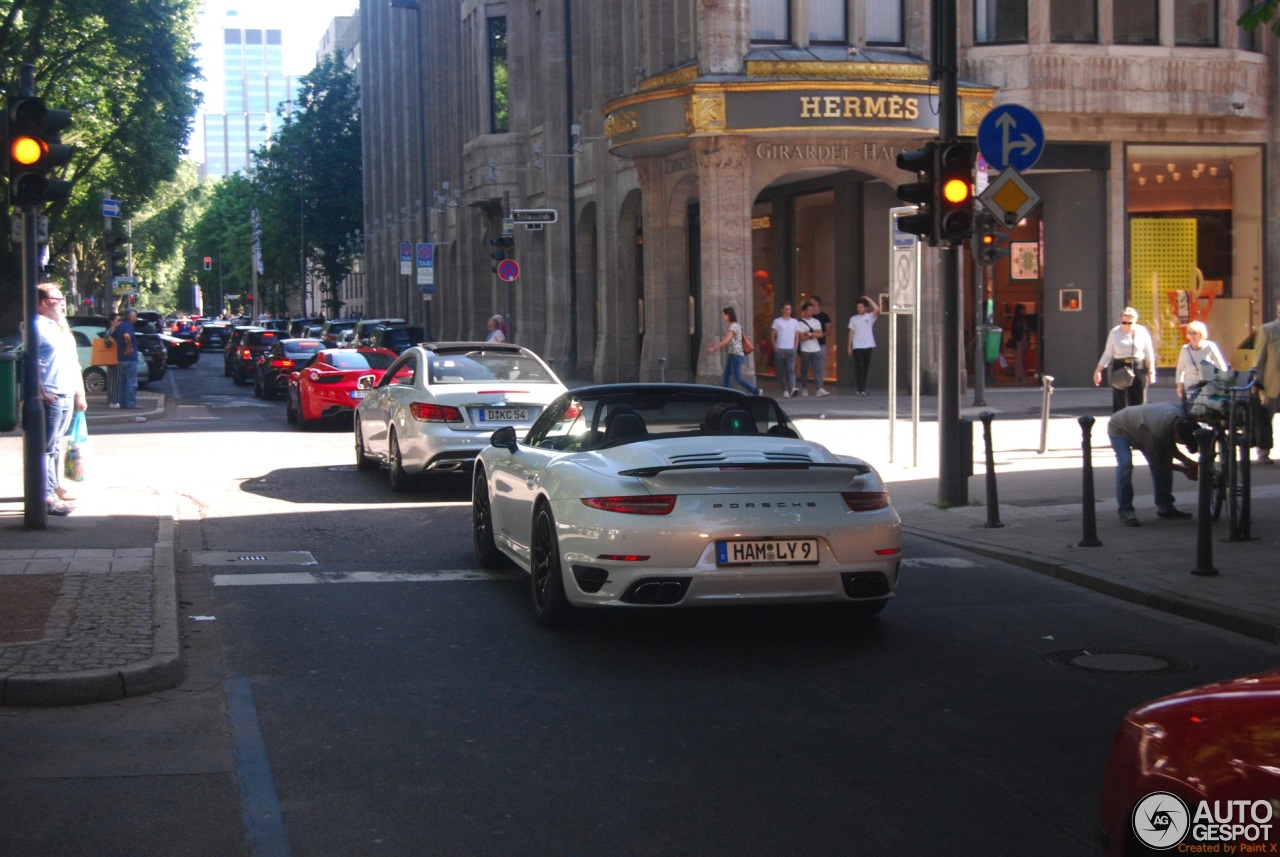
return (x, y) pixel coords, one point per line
(1198, 351)
(1129, 346)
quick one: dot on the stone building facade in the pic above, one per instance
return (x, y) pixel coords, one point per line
(709, 153)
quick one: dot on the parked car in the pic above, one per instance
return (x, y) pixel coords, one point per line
(95, 375)
(332, 329)
(397, 337)
(152, 348)
(248, 345)
(213, 336)
(282, 359)
(180, 351)
(364, 327)
(1211, 746)
(434, 409)
(328, 385)
(620, 496)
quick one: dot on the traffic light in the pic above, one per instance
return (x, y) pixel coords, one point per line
(922, 193)
(505, 249)
(118, 254)
(208, 263)
(955, 191)
(35, 151)
(987, 239)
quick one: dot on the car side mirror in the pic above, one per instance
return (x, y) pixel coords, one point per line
(365, 382)
(504, 437)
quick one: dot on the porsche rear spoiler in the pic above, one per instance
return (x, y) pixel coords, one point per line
(649, 472)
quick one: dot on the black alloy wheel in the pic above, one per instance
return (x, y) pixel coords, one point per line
(363, 462)
(551, 606)
(482, 524)
(401, 481)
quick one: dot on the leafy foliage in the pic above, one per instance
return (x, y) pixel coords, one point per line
(125, 68)
(1259, 14)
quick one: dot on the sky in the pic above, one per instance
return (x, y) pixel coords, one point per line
(302, 23)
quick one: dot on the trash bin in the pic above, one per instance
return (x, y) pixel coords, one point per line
(10, 366)
(992, 334)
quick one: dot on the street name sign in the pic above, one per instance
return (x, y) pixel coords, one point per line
(534, 215)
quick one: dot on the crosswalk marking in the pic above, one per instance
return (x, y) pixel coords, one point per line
(301, 578)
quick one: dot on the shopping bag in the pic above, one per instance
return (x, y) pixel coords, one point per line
(104, 352)
(73, 463)
(78, 431)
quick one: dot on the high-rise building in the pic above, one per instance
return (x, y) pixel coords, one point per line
(255, 86)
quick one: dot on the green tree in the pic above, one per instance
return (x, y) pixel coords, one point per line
(309, 186)
(1259, 14)
(125, 68)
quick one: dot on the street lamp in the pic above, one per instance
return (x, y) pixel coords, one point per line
(422, 142)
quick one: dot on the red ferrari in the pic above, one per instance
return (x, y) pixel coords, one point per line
(1198, 771)
(326, 385)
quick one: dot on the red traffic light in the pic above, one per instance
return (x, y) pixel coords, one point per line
(208, 263)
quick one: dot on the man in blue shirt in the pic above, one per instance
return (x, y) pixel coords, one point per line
(61, 386)
(1155, 428)
(126, 341)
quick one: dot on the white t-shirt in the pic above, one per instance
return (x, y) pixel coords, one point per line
(811, 344)
(787, 329)
(861, 325)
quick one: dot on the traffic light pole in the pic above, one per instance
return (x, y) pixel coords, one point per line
(953, 488)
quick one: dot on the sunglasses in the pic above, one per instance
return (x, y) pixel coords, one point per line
(1126, 321)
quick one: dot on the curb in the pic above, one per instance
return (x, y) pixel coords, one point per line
(1238, 621)
(165, 668)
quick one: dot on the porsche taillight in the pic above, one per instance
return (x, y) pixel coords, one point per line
(865, 501)
(430, 413)
(637, 504)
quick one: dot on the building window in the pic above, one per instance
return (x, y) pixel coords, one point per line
(827, 22)
(1195, 22)
(884, 22)
(1073, 20)
(1248, 40)
(770, 21)
(499, 86)
(999, 21)
(1136, 22)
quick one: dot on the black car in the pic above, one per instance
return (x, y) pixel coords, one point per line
(298, 326)
(213, 336)
(152, 348)
(397, 337)
(280, 360)
(247, 345)
(332, 329)
(181, 352)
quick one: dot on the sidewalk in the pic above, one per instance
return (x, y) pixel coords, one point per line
(88, 607)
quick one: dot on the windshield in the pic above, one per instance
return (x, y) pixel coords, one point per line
(360, 360)
(480, 366)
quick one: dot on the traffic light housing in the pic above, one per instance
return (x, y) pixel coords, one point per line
(987, 240)
(118, 254)
(35, 150)
(921, 192)
(504, 248)
(955, 192)
(208, 263)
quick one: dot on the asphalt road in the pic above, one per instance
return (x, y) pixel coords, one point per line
(394, 699)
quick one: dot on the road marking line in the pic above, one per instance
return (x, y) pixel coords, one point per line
(297, 578)
(938, 562)
(259, 803)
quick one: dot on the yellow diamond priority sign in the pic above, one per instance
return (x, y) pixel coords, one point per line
(1009, 197)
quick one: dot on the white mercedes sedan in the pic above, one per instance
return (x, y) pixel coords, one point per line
(662, 495)
(435, 407)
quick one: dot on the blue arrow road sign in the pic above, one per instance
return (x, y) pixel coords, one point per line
(110, 208)
(1011, 136)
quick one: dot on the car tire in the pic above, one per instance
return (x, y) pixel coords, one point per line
(363, 462)
(95, 380)
(226, 368)
(551, 605)
(187, 359)
(401, 481)
(482, 524)
(290, 415)
(238, 377)
(305, 424)
(257, 386)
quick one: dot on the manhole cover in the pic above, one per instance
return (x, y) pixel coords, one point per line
(248, 558)
(1117, 661)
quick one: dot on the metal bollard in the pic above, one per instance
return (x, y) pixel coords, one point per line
(1204, 522)
(662, 369)
(993, 498)
(1242, 524)
(1090, 539)
(1046, 382)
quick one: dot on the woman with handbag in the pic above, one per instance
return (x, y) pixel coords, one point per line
(1130, 357)
(735, 343)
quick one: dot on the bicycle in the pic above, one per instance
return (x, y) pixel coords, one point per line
(1224, 407)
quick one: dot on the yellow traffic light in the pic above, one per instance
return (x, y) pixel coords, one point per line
(955, 191)
(27, 150)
